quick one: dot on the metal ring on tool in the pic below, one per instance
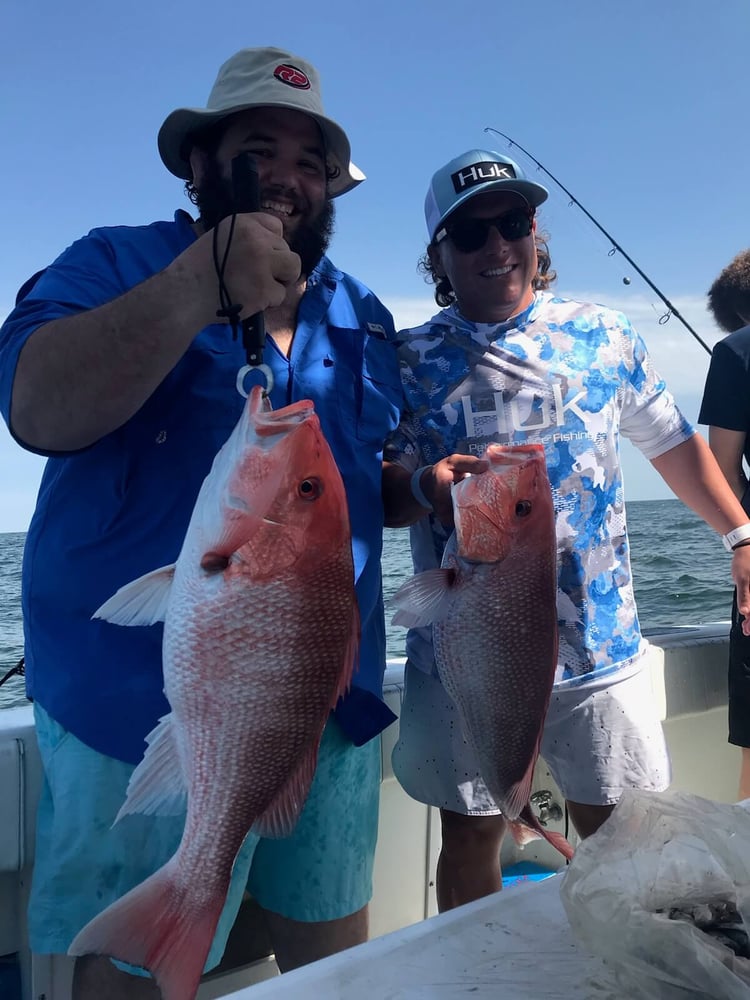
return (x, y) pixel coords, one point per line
(264, 369)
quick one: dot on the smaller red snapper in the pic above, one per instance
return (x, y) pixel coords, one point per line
(261, 630)
(493, 610)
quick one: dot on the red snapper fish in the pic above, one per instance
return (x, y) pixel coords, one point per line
(492, 606)
(261, 632)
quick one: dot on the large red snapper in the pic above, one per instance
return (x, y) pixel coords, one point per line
(492, 606)
(261, 631)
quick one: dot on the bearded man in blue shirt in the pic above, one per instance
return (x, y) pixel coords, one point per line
(115, 366)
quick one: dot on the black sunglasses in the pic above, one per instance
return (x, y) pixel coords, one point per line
(468, 235)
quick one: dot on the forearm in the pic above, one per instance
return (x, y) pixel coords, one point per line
(728, 447)
(400, 506)
(691, 471)
(737, 482)
(693, 475)
(81, 377)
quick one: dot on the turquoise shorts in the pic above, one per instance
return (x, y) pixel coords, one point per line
(322, 871)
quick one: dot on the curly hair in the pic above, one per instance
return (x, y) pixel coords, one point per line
(444, 294)
(729, 296)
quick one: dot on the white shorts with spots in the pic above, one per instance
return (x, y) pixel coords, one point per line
(598, 740)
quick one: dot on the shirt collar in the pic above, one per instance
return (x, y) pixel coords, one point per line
(491, 331)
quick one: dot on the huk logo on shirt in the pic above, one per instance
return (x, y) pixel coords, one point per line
(480, 173)
(292, 75)
(507, 416)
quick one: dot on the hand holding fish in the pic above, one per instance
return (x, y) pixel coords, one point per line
(438, 479)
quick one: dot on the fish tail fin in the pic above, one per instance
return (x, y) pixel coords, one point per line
(560, 844)
(522, 833)
(527, 827)
(153, 927)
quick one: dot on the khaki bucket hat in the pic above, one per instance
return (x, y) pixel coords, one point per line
(257, 78)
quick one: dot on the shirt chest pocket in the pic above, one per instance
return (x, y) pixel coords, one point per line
(368, 383)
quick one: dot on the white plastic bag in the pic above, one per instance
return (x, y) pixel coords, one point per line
(661, 854)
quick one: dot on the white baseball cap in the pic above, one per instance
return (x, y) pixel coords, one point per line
(473, 173)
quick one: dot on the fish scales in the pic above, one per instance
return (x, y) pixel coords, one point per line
(496, 622)
(261, 631)
(492, 607)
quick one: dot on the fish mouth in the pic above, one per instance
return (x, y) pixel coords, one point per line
(499, 455)
(269, 423)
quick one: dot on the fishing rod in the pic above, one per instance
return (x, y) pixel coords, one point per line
(671, 309)
(18, 669)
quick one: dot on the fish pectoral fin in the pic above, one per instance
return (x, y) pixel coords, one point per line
(424, 599)
(282, 814)
(157, 786)
(140, 602)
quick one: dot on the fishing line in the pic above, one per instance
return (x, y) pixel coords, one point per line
(614, 245)
(228, 310)
(245, 198)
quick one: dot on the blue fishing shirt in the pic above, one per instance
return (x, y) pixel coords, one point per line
(111, 512)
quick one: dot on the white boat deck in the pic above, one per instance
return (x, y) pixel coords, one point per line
(516, 944)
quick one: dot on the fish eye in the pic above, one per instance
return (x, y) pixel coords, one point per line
(309, 489)
(523, 508)
(214, 562)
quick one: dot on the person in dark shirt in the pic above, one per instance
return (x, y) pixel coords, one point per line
(726, 410)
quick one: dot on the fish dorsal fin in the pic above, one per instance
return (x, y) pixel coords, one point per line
(351, 659)
(157, 786)
(424, 599)
(282, 814)
(140, 602)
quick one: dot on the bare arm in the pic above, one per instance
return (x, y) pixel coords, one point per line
(692, 473)
(401, 506)
(728, 447)
(81, 377)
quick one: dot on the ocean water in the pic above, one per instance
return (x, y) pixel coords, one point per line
(680, 569)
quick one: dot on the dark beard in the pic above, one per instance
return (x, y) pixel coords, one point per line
(214, 202)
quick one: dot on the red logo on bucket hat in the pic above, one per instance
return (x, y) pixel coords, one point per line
(292, 75)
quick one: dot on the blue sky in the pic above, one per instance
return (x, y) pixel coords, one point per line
(637, 107)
